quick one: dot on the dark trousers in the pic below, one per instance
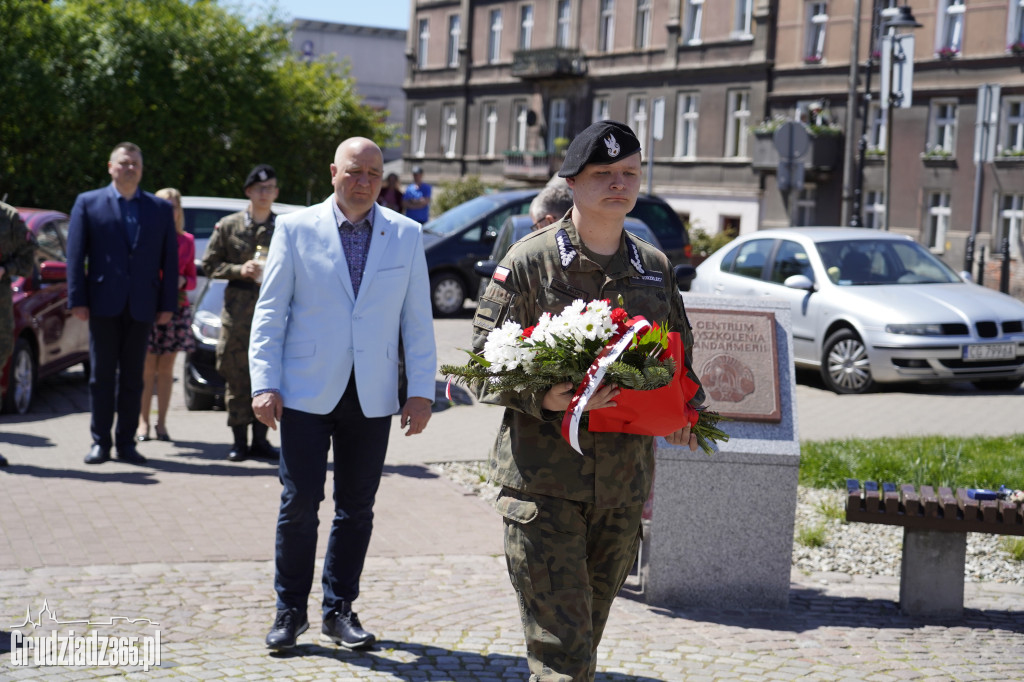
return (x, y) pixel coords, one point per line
(360, 444)
(117, 353)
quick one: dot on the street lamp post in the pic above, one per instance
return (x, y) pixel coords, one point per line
(894, 49)
(904, 19)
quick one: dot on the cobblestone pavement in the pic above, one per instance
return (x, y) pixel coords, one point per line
(187, 542)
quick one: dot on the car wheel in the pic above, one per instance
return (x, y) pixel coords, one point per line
(447, 293)
(21, 381)
(194, 400)
(845, 367)
(999, 384)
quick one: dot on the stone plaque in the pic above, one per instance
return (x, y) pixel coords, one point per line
(736, 358)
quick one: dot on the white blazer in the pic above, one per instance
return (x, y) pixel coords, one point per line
(310, 332)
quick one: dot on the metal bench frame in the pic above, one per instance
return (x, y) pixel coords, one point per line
(935, 526)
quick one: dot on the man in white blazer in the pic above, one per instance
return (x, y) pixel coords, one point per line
(344, 280)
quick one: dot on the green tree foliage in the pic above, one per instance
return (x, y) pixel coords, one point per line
(452, 193)
(206, 95)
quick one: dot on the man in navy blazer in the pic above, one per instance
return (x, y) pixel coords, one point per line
(344, 280)
(122, 276)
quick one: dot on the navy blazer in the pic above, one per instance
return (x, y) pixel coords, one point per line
(106, 272)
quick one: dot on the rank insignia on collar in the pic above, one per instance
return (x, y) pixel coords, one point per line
(634, 256)
(566, 251)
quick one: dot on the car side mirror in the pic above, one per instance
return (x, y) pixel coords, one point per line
(799, 282)
(684, 276)
(53, 271)
(490, 234)
(485, 268)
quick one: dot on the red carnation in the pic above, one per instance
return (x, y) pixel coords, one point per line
(528, 331)
(619, 316)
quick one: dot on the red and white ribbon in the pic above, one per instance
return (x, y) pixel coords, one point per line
(592, 379)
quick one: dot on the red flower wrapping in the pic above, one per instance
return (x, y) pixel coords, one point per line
(660, 412)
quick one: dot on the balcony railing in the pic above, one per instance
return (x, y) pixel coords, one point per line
(530, 165)
(555, 62)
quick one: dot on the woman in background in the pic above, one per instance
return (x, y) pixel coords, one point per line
(166, 340)
(391, 194)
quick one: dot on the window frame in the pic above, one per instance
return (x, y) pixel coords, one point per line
(1009, 221)
(557, 124)
(454, 33)
(601, 110)
(737, 124)
(637, 115)
(815, 30)
(606, 26)
(942, 127)
(937, 220)
(488, 129)
(950, 26)
(449, 130)
(423, 43)
(520, 111)
(526, 23)
(494, 36)
(687, 124)
(874, 209)
(419, 130)
(743, 21)
(1011, 133)
(693, 17)
(563, 24)
(644, 21)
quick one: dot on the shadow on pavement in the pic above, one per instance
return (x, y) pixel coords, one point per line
(409, 470)
(137, 476)
(416, 662)
(811, 609)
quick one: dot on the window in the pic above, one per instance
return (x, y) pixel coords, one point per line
(601, 110)
(421, 53)
(876, 128)
(562, 28)
(874, 209)
(454, 30)
(951, 27)
(742, 26)
(525, 27)
(751, 257)
(686, 125)
(637, 119)
(737, 122)
(817, 20)
(942, 131)
(606, 27)
(692, 21)
(938, 221)
(419, 131)
(791, 259)
(643, 24)
(494, 38)
(1016, 25)
(805, 202)
(1013, 125)
(556, 121)
(488, 128)
(519, 126)
(1011, 216)
(449, 129)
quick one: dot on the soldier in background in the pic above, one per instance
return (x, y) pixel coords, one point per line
(235, 252)
(572, 522)
(17, 253)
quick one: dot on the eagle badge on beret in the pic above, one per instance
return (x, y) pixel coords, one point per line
(612, 145)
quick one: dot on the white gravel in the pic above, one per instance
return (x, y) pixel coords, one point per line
(851, 548)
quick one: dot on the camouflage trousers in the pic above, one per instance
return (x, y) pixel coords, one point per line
(233, 365)
(567, 560)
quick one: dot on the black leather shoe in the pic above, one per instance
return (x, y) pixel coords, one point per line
(264, 450)
(129, 455)
(238, 453)
(345, 629)
(97, 455)
(288, 625)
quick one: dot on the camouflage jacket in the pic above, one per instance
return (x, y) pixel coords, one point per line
(17, 248)
(544, 272)
(232, 244)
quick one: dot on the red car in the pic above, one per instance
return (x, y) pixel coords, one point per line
(48, 339)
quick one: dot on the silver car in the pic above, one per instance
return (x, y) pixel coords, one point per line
(872, 307)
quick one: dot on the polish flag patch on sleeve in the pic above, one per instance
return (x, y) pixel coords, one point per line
(500, 274)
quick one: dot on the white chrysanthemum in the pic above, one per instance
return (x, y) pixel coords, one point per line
(542, 330)
(502, 346)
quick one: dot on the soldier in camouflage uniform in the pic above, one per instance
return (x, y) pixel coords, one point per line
(17, 258)
(230, 255)
(572, 522)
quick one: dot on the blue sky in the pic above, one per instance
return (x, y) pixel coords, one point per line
(379, 13)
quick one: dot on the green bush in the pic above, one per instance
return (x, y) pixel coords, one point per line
(704, 244)
(454, 192)
(812, 536)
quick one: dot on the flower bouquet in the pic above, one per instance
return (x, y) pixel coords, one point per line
(588, 344)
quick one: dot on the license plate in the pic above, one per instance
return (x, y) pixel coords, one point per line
(990, 351)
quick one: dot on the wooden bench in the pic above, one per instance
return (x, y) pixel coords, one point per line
(935, 526)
